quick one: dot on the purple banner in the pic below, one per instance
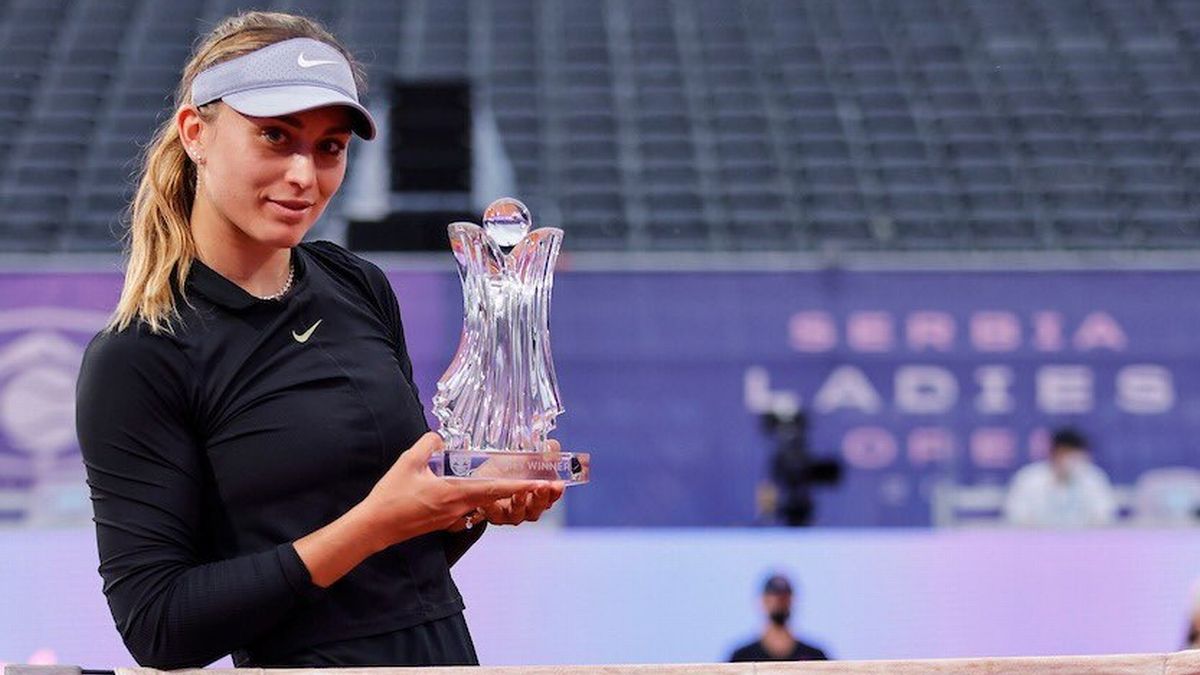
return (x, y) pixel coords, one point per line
(910, 378)
(46, 321)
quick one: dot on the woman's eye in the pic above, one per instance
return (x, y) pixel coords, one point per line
(273, 135)
(334, 147)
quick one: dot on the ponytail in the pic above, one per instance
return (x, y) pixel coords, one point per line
(159, 242)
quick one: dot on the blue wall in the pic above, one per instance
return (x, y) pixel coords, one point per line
(536, 595)
(911, 377)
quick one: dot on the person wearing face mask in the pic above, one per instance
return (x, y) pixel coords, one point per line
(1065, 490)
(777, 643)
(1192, 635)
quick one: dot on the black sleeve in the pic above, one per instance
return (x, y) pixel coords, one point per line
(173, 606)
(455, 543)
(389, 306)
(458, 543)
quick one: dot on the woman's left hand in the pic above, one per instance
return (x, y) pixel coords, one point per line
(524, 506)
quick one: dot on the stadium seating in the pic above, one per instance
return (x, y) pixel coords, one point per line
(707, 125)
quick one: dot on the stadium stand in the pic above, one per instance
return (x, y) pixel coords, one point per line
(708, 125)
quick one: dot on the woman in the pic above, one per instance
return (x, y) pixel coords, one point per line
(242, 418)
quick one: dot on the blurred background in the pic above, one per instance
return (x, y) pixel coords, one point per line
(833, 273)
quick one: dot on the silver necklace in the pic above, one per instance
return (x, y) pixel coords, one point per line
(287, 285)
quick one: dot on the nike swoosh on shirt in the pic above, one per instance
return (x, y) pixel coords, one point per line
(303, 337)
(305, 63)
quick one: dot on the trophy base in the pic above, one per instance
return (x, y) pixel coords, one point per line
(572, 468)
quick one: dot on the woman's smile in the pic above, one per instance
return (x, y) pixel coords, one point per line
(289, 210)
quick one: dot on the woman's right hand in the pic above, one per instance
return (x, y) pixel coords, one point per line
(407, 502)
(410, 500)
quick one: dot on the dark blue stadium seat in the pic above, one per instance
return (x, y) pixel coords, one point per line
(647, 123)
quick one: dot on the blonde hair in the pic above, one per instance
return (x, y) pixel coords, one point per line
(159, 242)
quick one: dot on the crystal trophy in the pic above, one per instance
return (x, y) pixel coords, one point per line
(498, 399)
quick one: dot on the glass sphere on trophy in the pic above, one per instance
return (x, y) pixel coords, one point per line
(498, 399)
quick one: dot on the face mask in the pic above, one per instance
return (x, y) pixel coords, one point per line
(780, 617)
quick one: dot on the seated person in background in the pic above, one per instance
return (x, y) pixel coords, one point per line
(1066, 490)
(776, 642)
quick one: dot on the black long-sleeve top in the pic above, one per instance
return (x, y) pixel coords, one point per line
(212, 449)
